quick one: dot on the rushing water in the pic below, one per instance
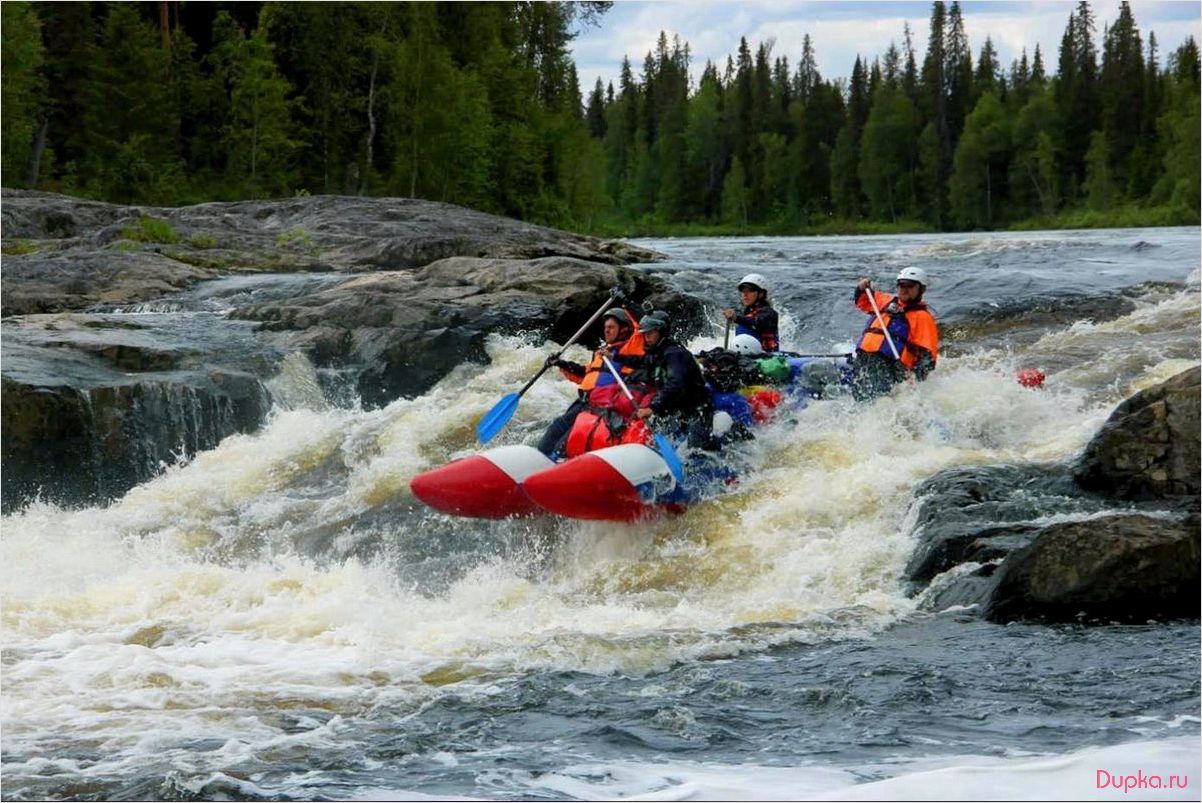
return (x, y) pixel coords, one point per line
(280, 618)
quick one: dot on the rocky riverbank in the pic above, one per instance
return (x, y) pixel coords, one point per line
(1054, 542)
(97, 400)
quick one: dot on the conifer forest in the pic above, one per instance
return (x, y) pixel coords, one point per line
(479, 104)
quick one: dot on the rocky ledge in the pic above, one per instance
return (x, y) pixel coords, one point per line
(382, 296)
(1113, 536)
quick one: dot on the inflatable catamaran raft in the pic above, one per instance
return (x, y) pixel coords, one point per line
(625, 482)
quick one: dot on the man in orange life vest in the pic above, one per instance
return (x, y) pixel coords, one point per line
(598, 389)
(912, 328)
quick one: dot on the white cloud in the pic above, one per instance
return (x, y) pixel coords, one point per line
(841, 30)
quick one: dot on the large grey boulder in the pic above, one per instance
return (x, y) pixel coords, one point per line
(1112, 536)
(1149, 447)
(406, 330)
(64, 253)
(1127, 567)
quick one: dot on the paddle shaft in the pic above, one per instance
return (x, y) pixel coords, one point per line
(670, 458)
(884, 329)
(726, 337)
(618, 376)
(600, 311)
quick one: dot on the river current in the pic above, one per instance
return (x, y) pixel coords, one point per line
(279, 618)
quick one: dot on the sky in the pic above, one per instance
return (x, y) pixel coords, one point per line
(841, 29)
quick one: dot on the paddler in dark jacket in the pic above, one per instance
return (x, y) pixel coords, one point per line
(681, 399)
(758, 318)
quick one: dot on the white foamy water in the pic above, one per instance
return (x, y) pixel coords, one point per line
(1140, 771)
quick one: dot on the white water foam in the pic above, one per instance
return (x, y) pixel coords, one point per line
(1075, 776)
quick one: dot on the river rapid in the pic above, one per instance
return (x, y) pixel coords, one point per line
(279, 618)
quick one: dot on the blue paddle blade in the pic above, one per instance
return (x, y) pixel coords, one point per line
(670, 457)
(496, 418)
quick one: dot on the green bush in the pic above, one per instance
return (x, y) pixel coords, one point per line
(296, 240)
(150, 230)
(202, 241)
(19, 247)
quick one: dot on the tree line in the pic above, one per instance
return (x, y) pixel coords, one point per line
(939, 140)
(480, 104)
(176, 102)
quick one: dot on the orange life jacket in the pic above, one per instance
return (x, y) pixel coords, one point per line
(592, 430)
(918, 330)
(596, 375)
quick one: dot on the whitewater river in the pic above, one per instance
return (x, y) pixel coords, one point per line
(279, 618)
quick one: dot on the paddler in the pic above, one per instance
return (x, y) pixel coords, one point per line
(682, 404)
(758, 318)
(911, 349)
(598, 389)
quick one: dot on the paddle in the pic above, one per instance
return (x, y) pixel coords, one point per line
(813, 356)
(665, 449)
(496, 418)
(876, 311)
(726, 336)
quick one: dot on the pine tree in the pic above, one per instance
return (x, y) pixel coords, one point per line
(936, 161)
(1077, 95)
(256, 132)
(705, 147)
(957, 72)
(595, 115)
(910, 68)
(988, 71)
(807, 77)
(1123, 92)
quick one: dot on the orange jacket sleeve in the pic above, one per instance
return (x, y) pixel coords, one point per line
(882, 300)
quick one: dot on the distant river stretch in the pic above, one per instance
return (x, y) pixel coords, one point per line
(280, 618)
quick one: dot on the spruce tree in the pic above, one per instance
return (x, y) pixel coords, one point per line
(1123, 91)
(937, 147)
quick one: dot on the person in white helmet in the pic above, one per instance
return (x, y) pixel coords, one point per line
(758, 317)
(912, 347)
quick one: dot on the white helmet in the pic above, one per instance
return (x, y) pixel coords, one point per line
(914, 275)
(746, 344)
(755, 280)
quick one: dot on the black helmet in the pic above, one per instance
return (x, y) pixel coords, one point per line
(620, 315)
(656, 320)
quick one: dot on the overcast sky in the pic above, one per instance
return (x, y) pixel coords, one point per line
(841, 29)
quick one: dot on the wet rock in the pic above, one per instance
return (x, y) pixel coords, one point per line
(989, 536)
(76, 253)
(1128, 567)
(1149, 447)
(75, 280)
(976, 514)
(406, 330)
(72, 445)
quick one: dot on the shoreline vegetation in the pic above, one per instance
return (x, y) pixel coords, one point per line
(1124, 218)
(480, 105)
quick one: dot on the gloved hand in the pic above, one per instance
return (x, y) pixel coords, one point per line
(573, 368)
